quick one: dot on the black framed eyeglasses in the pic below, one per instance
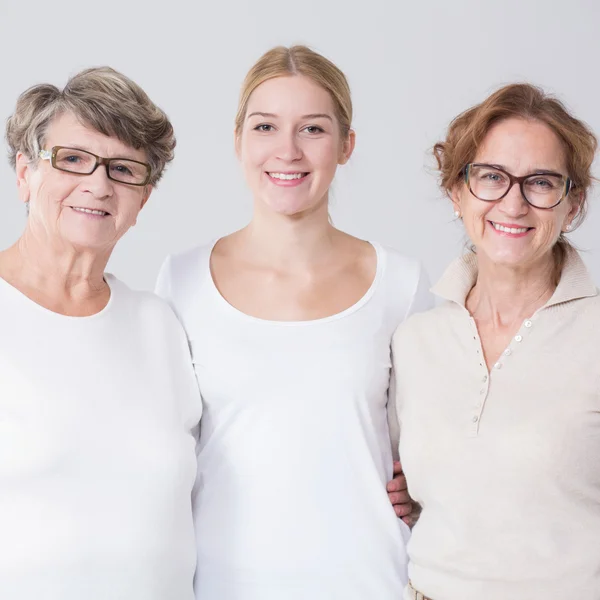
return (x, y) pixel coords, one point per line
(82, 162)
(490, 183)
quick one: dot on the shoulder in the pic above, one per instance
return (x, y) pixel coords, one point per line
(397, 263)
(404, 281)
(189, 263)
(142, 302)
(427, 323)
(588, 310)
(180, 274)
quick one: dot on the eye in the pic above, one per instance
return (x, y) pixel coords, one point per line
(264, 127)
(71, 158)
(123, 169)
(541, 183)
(491, 176)
(314, 129)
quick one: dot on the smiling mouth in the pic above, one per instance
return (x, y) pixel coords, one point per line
(90, 211)
(513, 230)
(287, 176)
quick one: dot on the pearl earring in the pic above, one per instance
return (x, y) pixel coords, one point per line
(457, 214)
(569, 227)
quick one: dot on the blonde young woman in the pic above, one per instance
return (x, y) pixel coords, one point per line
(99, 406)
(290, 322)
(499, 387)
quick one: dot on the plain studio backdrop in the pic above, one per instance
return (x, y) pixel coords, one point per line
(412, 67)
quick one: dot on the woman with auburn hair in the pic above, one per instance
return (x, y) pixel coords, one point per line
(99, 406)
(498, 392)
(290, 322)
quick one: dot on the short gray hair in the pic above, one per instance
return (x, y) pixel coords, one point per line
(103, 99)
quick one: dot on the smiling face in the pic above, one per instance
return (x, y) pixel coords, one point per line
(291, 144)
(511, 232)
(83, 211)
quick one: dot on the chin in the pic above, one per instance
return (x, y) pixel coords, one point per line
(289, 207)
(508, 257)
(86, 240)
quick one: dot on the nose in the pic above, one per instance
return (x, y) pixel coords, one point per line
(514, 204)
(98, 184)
(289, 149)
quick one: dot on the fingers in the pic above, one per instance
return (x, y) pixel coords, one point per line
(397, 484)
(403, 510)
(399, 497)
(409, 520)
(397, 468)
(412, 518)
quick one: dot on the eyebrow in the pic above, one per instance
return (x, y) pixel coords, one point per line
(78, 147)
(534, 171)
(272, 115)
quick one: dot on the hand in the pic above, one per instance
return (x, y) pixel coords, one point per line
(399, 497)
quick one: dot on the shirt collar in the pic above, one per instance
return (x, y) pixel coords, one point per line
(458, 279)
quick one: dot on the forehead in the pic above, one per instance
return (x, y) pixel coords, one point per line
(522, 145)
(290, 96)
(68, 130)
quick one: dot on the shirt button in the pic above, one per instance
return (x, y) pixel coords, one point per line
(518, 338)
(498, 365)
(481, 392)
(475, 419)
(507, 352)
(527, 323)
(485, 378)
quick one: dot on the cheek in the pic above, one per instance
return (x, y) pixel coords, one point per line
(551, 226)
(475, 216)
(129, 208)
(254, 153)
(323, 156)
(51, 191)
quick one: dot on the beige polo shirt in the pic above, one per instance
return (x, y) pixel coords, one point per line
(506, 464)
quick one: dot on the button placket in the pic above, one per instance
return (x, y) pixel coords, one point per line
(484, 383)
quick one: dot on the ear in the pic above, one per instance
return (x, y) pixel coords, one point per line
(347, 148)
(455, 198)
(575, 206)
(237, 143)
(23, 170)
(145, 197)
(147, 191)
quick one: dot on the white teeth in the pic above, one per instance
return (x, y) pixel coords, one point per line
(286, 175)
(89, 211)
(509, 229)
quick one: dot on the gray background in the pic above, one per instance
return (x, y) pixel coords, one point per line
(412, 67)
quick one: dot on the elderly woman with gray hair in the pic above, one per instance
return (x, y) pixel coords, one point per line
(99, 405)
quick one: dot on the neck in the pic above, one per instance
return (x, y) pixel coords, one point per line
(289, 242)
(54, 269)
(504, 294)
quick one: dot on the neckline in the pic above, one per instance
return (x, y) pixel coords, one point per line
(108, 278)
(380, 260)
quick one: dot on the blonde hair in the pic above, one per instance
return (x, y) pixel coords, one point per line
(102, 99)
(298, 60)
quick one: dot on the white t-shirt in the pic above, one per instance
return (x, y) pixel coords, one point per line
(98, 427)
(294, 448)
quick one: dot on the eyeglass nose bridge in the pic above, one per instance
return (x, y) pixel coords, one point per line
(512, 181)
(102, 161)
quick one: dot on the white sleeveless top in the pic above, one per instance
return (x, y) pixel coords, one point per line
(294, 448)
